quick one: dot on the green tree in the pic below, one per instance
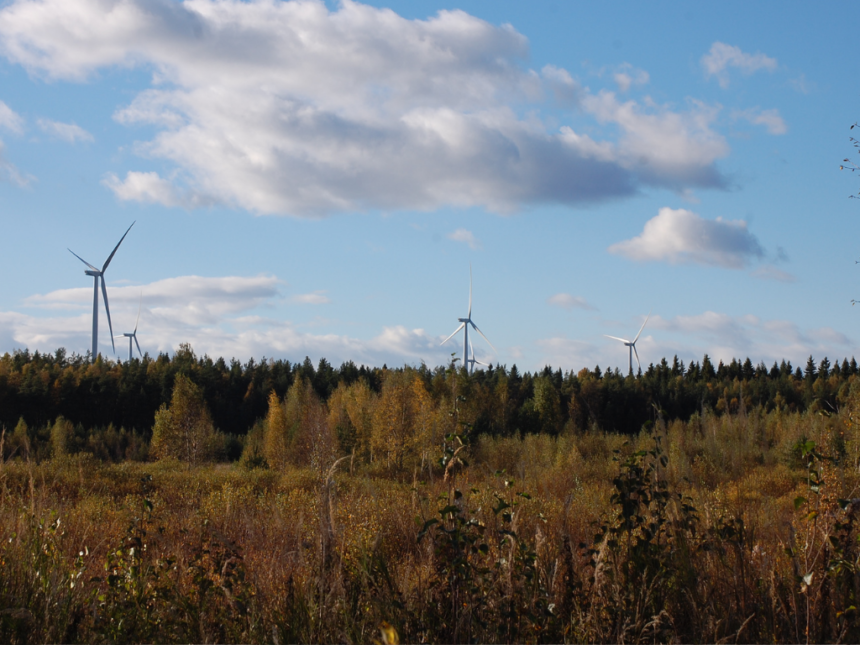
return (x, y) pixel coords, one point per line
(62, 433)
(183, 430)
(547, 404)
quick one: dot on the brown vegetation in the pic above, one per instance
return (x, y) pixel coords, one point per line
(726, 527)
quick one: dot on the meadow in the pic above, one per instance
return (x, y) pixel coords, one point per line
(732, 526)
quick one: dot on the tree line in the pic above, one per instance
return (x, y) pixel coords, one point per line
(125, 397)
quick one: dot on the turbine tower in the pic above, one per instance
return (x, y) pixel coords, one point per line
(134, 333)
(468, 362)
(631, 344)
(100, 276)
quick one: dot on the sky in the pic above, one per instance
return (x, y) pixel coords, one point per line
(318, 179)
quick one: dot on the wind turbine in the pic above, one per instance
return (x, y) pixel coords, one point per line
(134, 333)
(100, 276)
(474, 360)
(631, 344)
(469, 363)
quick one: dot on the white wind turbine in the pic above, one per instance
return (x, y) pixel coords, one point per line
(134, 333)
(468, 362)
(631, 344)
(100, 276)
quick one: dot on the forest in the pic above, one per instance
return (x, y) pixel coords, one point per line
(181, 499)
(112, 405)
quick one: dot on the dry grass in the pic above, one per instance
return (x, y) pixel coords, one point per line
(231, 554)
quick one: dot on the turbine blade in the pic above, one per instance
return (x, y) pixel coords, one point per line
(643, 326)
(138, 345)
(637, 356)
(454, 334)
(82, 260)
(473, 359)
(470, 291)
(107, 309)
(110, 257)
(623, 340)
(475, 327)
(138, 312)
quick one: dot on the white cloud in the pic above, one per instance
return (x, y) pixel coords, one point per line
(149, 187)
(770, 272)
(10, 172)
(567, 301)
(770, 119)
(189, 300)
(679, 236)
(465, 236)
(10, 120)
(290, 108)
(627, 76)
(315, 298)
(726, 337)
(223, 316)
(721, 336)
(568, 354)
(68, 132)
(666, 148)
(143, 187)
(722, 56)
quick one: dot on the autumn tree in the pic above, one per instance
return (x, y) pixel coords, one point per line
(297, 429)
(404, 418)
(351, 409)
(62, 433)
(184, 430)
(276, 435)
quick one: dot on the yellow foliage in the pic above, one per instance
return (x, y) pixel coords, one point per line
(183, 430)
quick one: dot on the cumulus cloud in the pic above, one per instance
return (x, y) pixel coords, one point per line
(68, 132)
(722, 56)
(679, 236)
(192, 300)
(10, 120)
(221, 316)
(292, 108)
(149, 187)
(665, 148)
(567, 301)
(466, 237)
(770, 119)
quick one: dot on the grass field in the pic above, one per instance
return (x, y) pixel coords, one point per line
(724, 528)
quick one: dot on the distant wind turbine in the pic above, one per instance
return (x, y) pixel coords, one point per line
(631, 344)
(100, 276)
(134, 333)
(474, 360)
(468, 362)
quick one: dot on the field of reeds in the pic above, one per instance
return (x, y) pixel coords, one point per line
(725, 528)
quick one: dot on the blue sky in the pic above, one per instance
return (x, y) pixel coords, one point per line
(314, 178)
